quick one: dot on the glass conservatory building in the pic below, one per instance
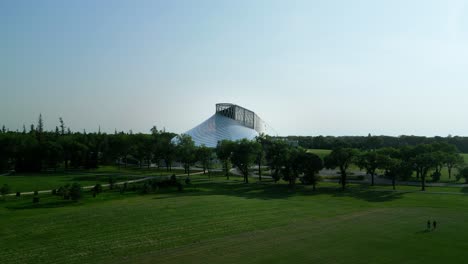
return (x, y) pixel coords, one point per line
(231, 122)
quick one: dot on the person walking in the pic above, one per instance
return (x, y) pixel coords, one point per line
(434, 224)
(429, 225)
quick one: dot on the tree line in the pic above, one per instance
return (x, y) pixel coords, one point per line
(36, 149)
(371, 141)
(288, 162)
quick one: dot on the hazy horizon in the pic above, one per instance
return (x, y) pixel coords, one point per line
(306, 67)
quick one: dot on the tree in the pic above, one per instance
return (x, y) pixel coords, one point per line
(53, 154)
(463, 173)
(224, 150)
(423, 161)
(62, 126)
(244, 153)
(276, 155)
(369, 161)
(169, 154)
(40, 125)
(203, 155)
(341, 158)
(311, 164)
(389, 161)
(186, 151)
(453, 160)
(262, 140)
(140, 148)
(293, 165)
(439, 163)
(5, 189)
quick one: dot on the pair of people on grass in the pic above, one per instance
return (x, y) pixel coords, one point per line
(434, 224)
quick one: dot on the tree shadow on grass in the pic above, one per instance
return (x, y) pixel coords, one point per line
(425, 231)
(42, 205)
(270, 191)
(369, 195)
(464, 190)
(238, 189)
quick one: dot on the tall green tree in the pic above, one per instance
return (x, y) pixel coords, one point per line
(463, 173)
(369, 160)
(53, 154)
(293, 165)
(311, 165)
(224, 151)
(244, 155)
(168, 150)
(186, 151)
(453, 160)
(203, 155)
(262, 141)
(277, 152)
(389, 160)
(341, 158)
(423, 161)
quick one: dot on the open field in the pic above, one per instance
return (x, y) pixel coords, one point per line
(218, 221)
(320, 152)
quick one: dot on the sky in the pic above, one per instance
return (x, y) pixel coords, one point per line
(305, 67)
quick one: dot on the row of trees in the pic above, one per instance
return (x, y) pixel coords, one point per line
(290, 163)
(398, 163)
(284, 161)
(36, 150)
(372, 142)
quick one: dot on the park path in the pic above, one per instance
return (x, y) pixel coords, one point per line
(117, 183)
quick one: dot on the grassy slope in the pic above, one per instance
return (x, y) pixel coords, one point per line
(22, 182)
(237, 223)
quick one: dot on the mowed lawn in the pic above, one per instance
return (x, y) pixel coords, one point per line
(28, 182)
(214, 221)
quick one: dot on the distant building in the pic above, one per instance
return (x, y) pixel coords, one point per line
(231, 122)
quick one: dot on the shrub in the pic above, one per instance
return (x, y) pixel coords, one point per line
(145, 188)
(463, 173)
(97, 189)
(111, 182)
(75, 191)
(5, 189)
(173, 178)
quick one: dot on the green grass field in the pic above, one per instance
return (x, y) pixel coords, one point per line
(320, 152)
(219, 221)
(26, 182)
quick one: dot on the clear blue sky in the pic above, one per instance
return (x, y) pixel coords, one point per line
(306, 67)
